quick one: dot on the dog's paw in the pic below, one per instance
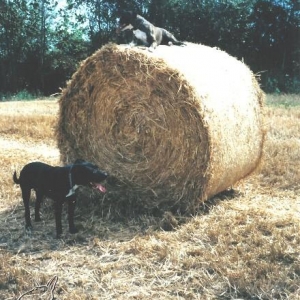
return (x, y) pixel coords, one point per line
(151, 49)
(28, 230)
(130, 45)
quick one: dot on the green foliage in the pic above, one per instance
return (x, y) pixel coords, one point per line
(19, 96)
(42, 44)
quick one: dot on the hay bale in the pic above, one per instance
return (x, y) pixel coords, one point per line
(174, 127)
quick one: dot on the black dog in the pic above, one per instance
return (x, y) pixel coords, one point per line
(145, 33)
(59, 184)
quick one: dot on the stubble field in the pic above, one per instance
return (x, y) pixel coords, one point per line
(243, 244)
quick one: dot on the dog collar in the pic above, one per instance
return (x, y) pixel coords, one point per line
(72, 188)
(72, 191)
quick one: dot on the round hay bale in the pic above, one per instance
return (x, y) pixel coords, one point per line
(173, 127)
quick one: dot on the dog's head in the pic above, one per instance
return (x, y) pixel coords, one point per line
(125, 37)
(126, 21)
(86, 173)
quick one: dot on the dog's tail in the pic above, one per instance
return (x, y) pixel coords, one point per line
(171, 38)
(179, 43)
(15, 178)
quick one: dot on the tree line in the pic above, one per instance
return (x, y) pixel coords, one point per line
(42, 41)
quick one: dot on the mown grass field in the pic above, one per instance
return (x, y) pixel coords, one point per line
(243, 244)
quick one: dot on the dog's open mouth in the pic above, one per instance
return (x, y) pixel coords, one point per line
(98, 187)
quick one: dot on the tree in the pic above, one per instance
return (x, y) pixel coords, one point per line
(68, 45)
(13, 43)
(275, 39)
(41, 45)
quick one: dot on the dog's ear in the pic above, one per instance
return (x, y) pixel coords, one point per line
(79, 161)
(130, 14)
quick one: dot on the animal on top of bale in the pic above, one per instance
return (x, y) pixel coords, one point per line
(59, 184)
(142, 32)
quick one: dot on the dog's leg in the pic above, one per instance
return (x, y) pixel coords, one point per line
(152, 47)
(71, 208)
(26, 197)
(58, 203)
(39, 198)
(151, 37)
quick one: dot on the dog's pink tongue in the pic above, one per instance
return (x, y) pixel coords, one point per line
(100, 187)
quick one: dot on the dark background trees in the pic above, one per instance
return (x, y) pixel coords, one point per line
(42, 42)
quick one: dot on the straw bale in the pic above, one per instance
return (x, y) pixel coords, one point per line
(173, 127)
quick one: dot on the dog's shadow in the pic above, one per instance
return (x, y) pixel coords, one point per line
(94, 219)
(16, 239)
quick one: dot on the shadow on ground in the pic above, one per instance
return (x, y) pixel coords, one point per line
(91, 221)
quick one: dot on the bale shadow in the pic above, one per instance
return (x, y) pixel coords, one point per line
(94, 218)
(226, 195)
(122, 215)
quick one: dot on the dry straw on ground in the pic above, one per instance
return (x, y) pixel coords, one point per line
(173, 127)
(243, 245)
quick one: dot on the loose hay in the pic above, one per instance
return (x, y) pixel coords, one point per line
(173, 127)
